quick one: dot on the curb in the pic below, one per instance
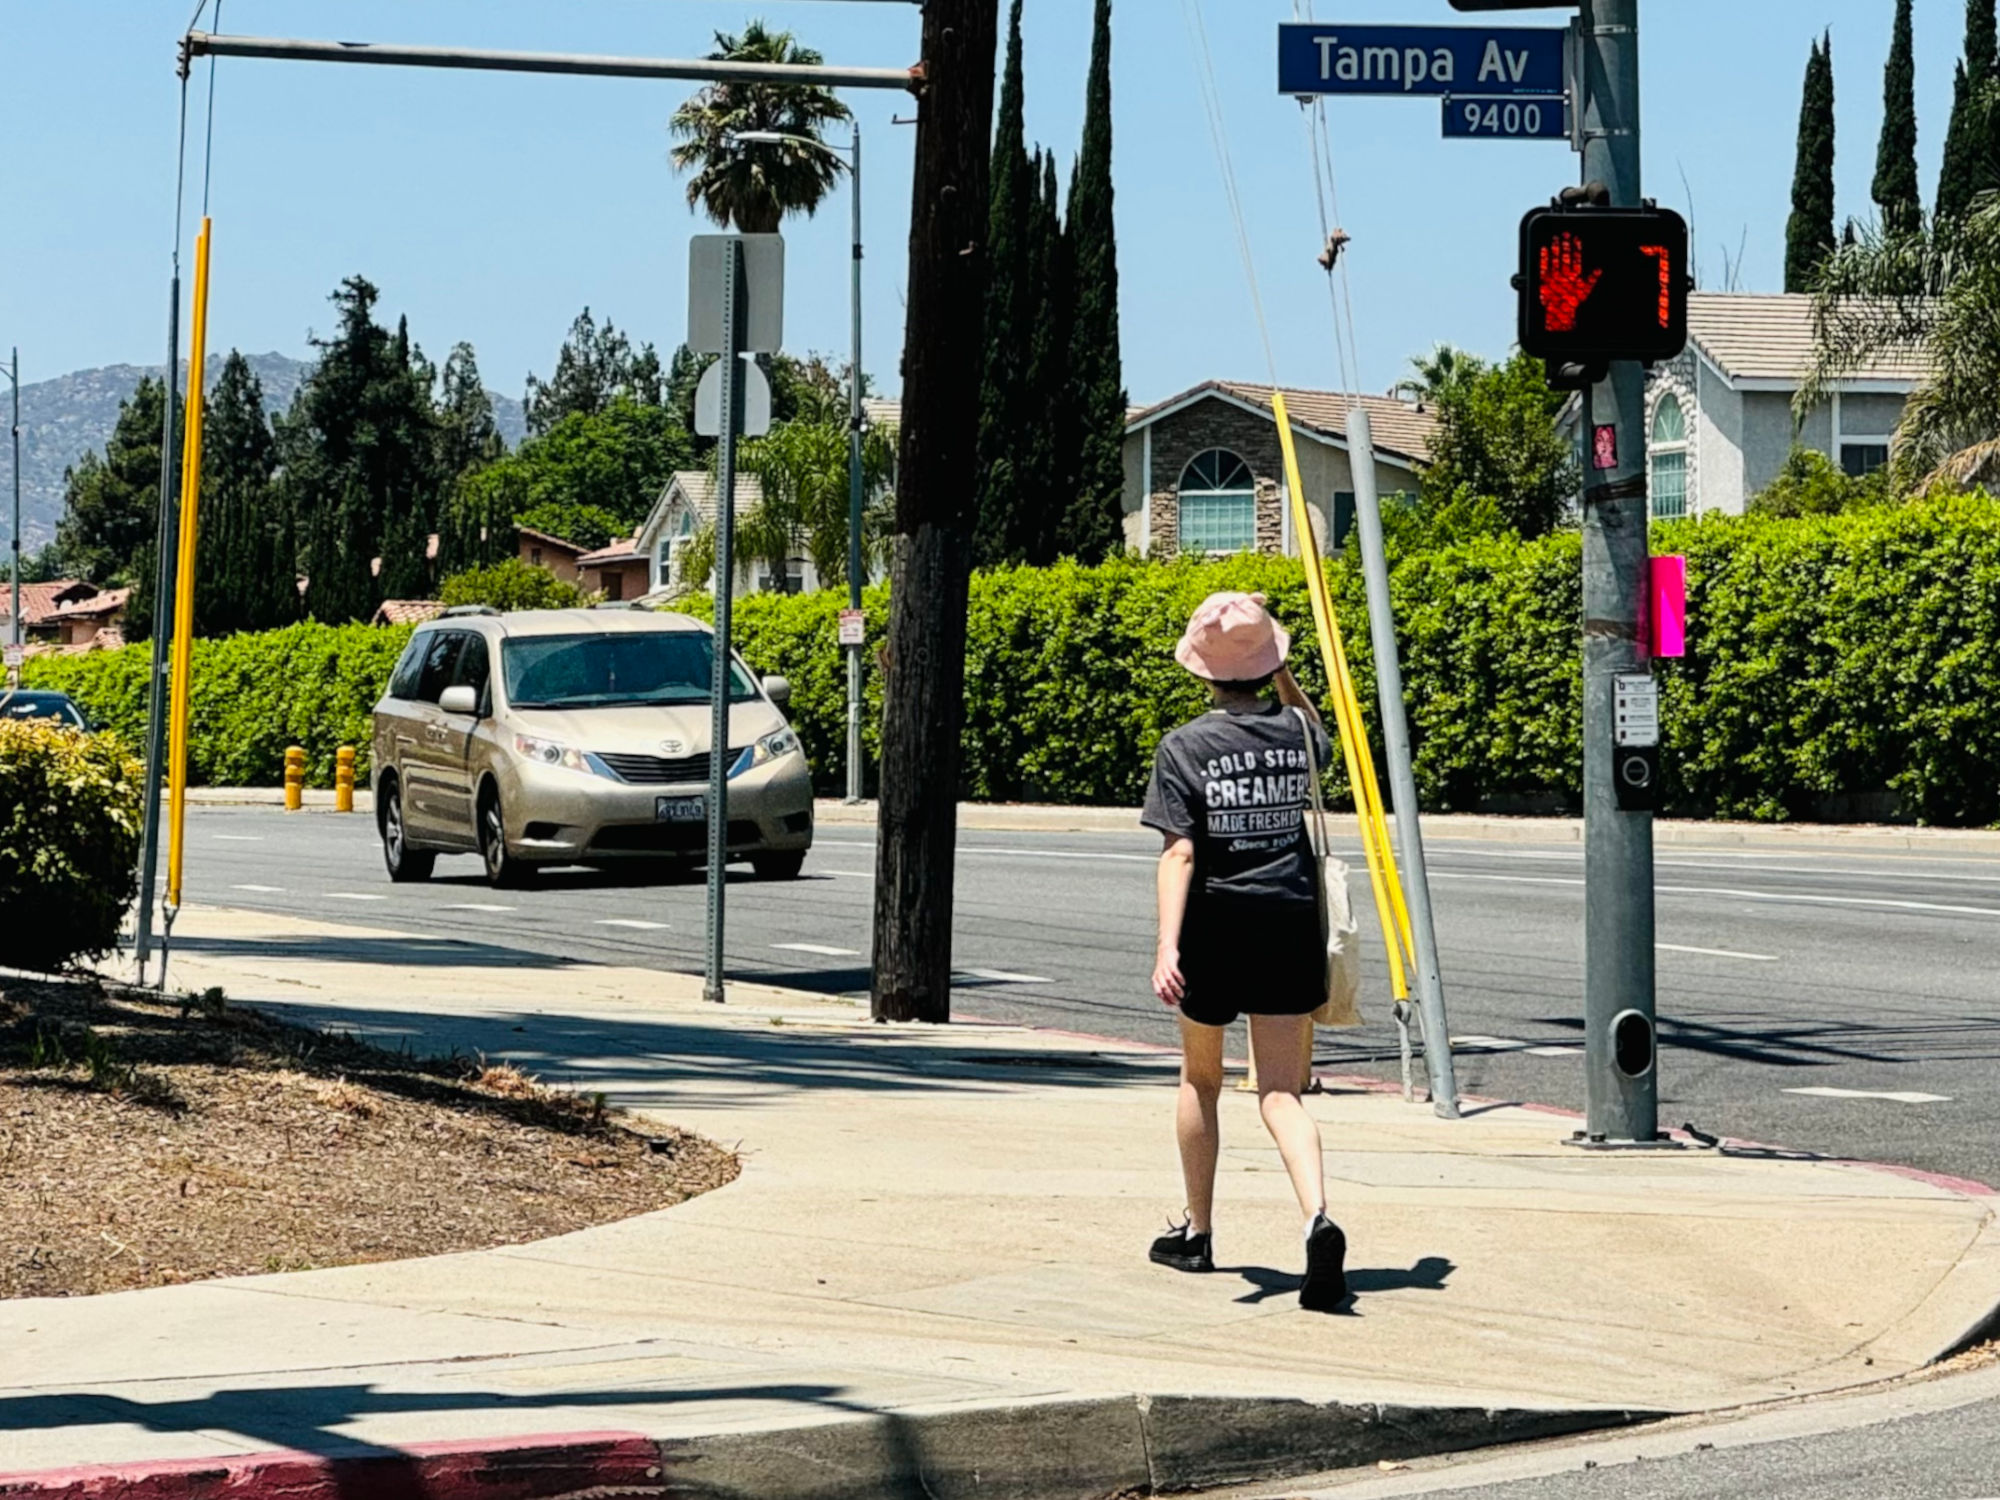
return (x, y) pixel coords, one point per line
(1142, 1444)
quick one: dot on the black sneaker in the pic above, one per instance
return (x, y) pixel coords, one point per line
(1325, 1286)
(1184, 1250)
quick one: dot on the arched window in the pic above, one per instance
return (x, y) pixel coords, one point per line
(1668, 457)
(1218, 504)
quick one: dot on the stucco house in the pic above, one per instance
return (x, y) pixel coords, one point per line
(1719, 418)
(1205, 473)
(559, 556)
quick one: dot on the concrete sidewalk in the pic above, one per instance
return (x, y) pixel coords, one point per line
(932, 1267)
(1013, 817)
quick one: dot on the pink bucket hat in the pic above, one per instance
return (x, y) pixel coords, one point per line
(1232, 638)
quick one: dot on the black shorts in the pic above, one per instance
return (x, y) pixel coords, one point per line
(1251, 958)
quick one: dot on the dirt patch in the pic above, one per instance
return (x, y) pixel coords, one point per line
(146, 1143)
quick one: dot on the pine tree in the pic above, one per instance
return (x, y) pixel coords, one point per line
(1896, 190)
(467, 434)
(1094, 524)
(1809, 236)
(594, 365)
(1972, 145)
(111, 504)
(359, 452)
(1011, 295)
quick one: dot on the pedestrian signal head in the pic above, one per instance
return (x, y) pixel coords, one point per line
(1603, 283)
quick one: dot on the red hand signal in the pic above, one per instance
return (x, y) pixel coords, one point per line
(1564, 286)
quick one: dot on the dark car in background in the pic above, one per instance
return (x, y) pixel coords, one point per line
(58, 708)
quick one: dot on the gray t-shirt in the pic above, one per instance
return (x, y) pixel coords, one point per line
(1237, 784)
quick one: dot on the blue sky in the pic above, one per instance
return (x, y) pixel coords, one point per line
(492, 207)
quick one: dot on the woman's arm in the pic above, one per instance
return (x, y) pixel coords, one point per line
(1175, 877)
(1292, 695)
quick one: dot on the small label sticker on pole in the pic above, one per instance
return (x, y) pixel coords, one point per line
(13, 656)
(1604, 447)
(1636, 701)
(853, 627)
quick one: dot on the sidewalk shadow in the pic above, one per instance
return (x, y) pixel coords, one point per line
(409, 952)
(1429, 1274)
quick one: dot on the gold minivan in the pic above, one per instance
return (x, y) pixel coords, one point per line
(578, 736)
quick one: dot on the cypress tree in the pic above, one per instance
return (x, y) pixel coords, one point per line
(1048, 447)
(1011, 297)
(1809, 234)
(1896, 190)
(242, 583)
(1094, 525)
(1972, 144)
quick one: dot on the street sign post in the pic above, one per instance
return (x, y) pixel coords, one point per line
(1419, 60)
(1533, 118)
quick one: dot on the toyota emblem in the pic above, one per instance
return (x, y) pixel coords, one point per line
(671, 747)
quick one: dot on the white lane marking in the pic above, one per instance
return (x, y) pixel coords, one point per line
(1755, 958)
(1509, 1044)
(476, 906)
(1908, 1096)
(632, 922)
(1122, 859)
(1872, 902)
(820, 948)
(1002, 976)
(1709, 858)
(262, 890)
(851, 874)
(353, 896)
(237, 838)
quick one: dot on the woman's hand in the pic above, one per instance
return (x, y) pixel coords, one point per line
(1167, 981)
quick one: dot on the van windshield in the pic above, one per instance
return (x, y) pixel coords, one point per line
(615, 669)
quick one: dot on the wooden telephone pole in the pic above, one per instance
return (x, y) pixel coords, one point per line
(917, 831)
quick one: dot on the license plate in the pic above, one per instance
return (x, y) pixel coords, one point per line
(680, 809)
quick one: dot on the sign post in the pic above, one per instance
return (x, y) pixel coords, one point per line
(735, 309)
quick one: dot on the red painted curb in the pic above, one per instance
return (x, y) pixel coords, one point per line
(535, 1468)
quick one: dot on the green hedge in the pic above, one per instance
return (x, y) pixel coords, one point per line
(1837, 666)
(311, 685)
(69, 843)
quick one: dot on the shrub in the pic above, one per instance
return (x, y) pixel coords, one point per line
(311, 685)
(69, 843)
(510, 584)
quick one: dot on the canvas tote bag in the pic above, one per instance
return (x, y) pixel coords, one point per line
(1342, 1006)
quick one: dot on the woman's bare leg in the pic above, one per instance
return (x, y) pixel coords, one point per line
(1195, 1121)
(1282, 1050)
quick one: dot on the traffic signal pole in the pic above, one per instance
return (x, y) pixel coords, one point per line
(1622, 1081)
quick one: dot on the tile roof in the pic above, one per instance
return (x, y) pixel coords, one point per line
(699, 486)
(552, 541)
(1402, 428)
(406, 611)
(621, 551)
(106, 602)
(1769, 336)
(39, 601)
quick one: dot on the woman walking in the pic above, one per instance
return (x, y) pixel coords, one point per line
(1239, 918)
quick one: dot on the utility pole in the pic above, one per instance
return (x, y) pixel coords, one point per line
(924, 703)
(854, 486)
(166, 544)
(14, 376)
(1622, 1083)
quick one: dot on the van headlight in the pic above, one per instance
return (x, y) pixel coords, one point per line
(550, 753)
(773, 746)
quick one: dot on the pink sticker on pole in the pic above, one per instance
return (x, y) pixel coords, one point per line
(1667, 606)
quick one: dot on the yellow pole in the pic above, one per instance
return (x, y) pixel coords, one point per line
(295, 778)
(177, 721)
(1382, 877)
(343, 779)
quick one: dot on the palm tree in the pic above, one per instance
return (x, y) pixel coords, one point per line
(755, 185)
(1444, 368)
(1938, 292)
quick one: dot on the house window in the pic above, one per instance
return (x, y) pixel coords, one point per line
(1218, 504)
(1859, 460)
(1668, 457)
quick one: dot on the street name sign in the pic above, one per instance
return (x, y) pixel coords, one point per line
(1420, 60)
(1535, 118)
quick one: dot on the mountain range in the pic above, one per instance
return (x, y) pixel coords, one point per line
(71, 415)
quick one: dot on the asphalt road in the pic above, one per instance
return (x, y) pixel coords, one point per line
(1825, 1001)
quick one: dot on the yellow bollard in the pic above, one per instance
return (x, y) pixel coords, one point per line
(343, 779)
(295, 778)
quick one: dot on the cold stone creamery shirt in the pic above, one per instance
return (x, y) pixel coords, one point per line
(1237, 784)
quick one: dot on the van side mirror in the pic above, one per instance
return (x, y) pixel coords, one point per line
(460, 698)
(779, 690)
